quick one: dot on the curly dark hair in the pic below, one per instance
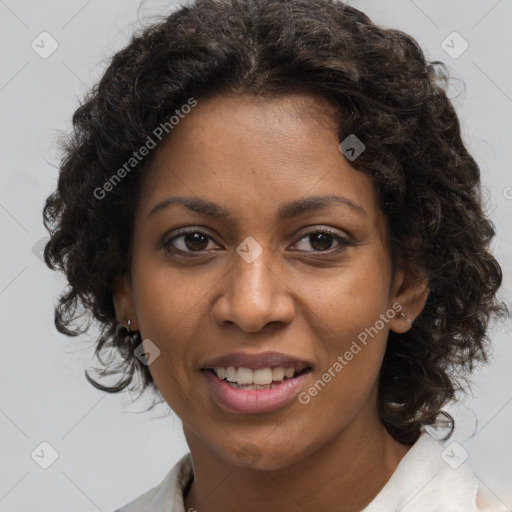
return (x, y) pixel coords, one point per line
(385, 93)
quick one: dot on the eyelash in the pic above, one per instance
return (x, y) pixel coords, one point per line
(342, 241)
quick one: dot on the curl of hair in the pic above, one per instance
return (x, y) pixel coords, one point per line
(385, 93)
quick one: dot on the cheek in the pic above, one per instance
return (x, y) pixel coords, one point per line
(169, 301)
(355, 336)
(171, 308)
(345, 383)
(352, 298)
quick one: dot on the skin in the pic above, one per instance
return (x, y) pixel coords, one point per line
(250, 155)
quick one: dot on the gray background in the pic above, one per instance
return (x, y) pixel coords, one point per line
(108, 451)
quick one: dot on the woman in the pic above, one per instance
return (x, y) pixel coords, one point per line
(220, 152)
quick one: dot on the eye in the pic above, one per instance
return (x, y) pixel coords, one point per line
(322, 239)
(190, 240)
(193, 240)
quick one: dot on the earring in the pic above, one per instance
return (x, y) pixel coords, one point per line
(402, 314)
(129, 324)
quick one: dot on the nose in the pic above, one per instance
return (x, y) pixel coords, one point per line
(254, 295)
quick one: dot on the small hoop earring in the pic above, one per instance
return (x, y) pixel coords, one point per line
(129, 325)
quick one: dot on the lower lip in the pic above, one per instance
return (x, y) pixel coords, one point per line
(254, 400)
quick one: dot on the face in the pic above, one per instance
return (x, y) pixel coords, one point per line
(259, 264)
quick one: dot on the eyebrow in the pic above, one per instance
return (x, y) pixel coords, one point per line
(285, 211)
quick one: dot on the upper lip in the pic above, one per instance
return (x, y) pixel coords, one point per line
(256, 361)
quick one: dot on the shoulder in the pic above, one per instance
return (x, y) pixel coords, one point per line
(168, 495)
(429, 478)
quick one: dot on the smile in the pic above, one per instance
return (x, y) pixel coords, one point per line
(251, 397)
(262, 378)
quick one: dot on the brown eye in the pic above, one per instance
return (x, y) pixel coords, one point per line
(322, 240)
(196, 241)
(188, 241)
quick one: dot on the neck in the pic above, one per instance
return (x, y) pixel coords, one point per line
(359, 461)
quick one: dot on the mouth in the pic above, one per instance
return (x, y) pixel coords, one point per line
(260, 378)
(255, 383)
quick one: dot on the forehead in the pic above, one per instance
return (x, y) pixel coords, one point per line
(252, 154)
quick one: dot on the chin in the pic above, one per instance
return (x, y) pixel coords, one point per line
(262, 457)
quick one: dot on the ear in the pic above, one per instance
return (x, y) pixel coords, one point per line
(123, 303)
(409, 296)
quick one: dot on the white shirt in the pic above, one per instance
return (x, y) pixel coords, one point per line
(422, 482)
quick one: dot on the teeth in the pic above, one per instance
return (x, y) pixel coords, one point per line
(261, 378)
(252, 386)
(289, 372)
(278, 373)
(245, 376)
(230, 374)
